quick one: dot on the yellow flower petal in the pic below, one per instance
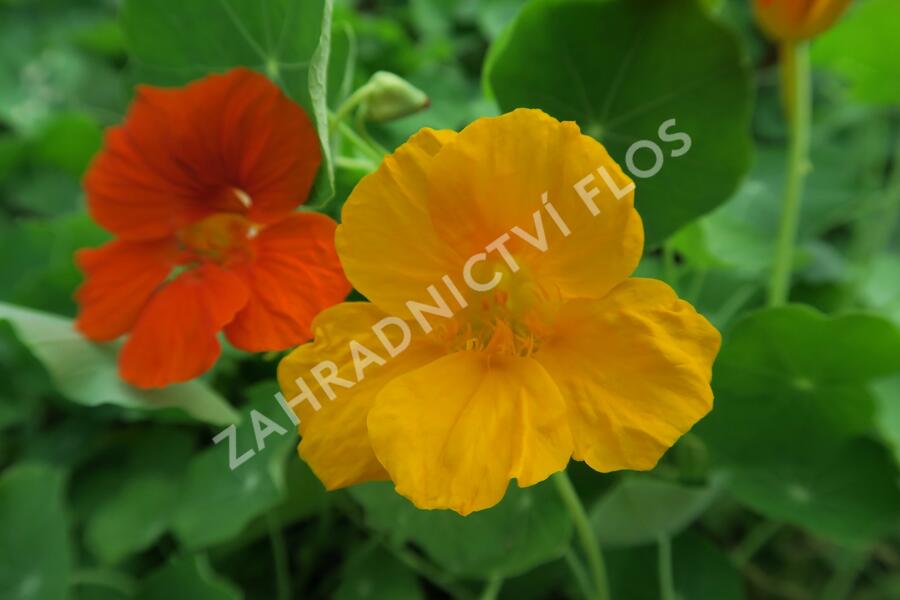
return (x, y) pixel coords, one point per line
(492, 177)
(335, 440)
(386, 242)
(454, 432)
(634, 369)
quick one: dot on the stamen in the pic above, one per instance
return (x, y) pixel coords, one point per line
(243, 197)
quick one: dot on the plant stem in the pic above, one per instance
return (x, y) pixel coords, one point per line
(585, 533)
(664, 565)
(279, 554)
(840, 587)
(796, 79)
(758, 537)
(355, 99)
(581, 576)
(492, 589)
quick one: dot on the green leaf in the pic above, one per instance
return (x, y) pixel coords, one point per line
(791, 405)
(850, 496)
(174, 42)
(863, 48)
(69, 142)
(141, 496)
(25, 380)
(34, 547)
(87, 374)
(529, 527)
(623, 68)
(641, 508)
(887, 412)
(188, 577)
(36, 266)
(373, 573)
(217, 502)
(881, 287)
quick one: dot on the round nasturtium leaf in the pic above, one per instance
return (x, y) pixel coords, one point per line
(794, 418)
(623, 70)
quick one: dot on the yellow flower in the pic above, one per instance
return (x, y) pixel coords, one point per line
(793, 20)
(554, 354)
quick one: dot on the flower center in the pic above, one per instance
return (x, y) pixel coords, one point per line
(219, 238)
(509, 320)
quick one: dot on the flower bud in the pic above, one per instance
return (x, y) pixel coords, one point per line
(795, 20)
(391, 97)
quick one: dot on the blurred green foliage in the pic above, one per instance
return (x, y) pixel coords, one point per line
(788, 489)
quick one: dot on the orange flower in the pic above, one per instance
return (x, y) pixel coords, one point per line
(792, 20)
(503, 337)
(200, 185)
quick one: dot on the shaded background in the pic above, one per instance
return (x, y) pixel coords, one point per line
(789, 489)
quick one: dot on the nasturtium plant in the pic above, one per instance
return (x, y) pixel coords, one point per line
(624, 320)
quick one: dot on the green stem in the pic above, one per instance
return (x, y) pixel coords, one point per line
(758, 537)
(664, 565)
(280, 556)
(585, 533)
(796, 79)
(355, 99)
(354, 164)
(581, 577)
(492, 589)
(362, 145)
(840, 586)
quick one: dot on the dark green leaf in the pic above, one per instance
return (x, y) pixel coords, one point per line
(530, 526)
(640, 509)
(623, 68)
(373, 573)
(217, 502)
(34, 546)
(791, 403)
(187, 578)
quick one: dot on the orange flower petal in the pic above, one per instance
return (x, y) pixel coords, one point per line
(174, 339)
(119, 278)
(225, 143)
(295, 275)
(634, 369)
(335, 440)
(454, 432)
(493, 176)
(385, 222)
